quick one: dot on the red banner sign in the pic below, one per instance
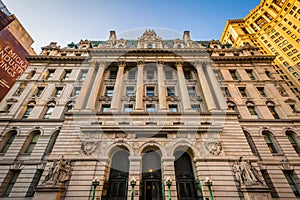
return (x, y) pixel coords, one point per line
(12, 61)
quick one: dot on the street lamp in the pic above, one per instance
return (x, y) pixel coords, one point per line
(208, 183)
(132, 183)
(169, 183)
(95, 183)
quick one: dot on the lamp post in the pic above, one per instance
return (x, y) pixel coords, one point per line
(169, 183)
(208, 183)
(132, 183)
(95, 183)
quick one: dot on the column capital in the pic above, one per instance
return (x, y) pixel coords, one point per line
(140, 63)
(121, 63)
(202, 63)
(93, 63)
(179, 63)
(102, 63)
(160, 63)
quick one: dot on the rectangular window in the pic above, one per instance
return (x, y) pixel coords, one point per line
(109, 91)
(10, 181)
(261, 91)
(171, 91)
(269, 183)
(58, 91)
(130, 91)
(48, 112)
(273, 112)
(196, 107)
(50, 74)
(150, 91)
(233, 74)
(173, 108)
(243, 91)
(150, 108)
(169, 75)
(218, 75)
(150, 74)
(39, 91)
(191, 91)
(113, 75)
(226, 92)
(67, 74)
(105, 107)
(76, 91)
(250, 74)
(83, 75)
(36, 178)
(291, 178)
(27, 112)
(128, 108)
(187, 75)
(131, 75)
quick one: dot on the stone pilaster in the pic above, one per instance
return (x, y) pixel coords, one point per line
(161, 87)
(134, 171)
(183, 89)
(139, 105)
(169, 171)
(118, 88)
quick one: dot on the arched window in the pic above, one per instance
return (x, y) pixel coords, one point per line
(251, 144)
(49, 110)
(31, 142)
(185, 179)
(31, 74)
(232, 106)
(52, 142)
(293, 140)
(118, 177)
(149, 46)
(8, 140)
(271, 107)
(28, 110)
(252, 109)
(270, 141)
(69, 106)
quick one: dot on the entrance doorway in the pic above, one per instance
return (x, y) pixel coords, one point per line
(151, 185)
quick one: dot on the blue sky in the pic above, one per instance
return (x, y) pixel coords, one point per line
(64, 21)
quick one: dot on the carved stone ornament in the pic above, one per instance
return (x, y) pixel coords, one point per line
(213, 147)
(89, 147)
(59, 172)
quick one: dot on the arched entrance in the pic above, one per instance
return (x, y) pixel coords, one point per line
(185, 179)
(118, 177)
(151, 185)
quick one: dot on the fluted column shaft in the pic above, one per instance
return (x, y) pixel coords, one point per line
(96, 87)
(185, 99)
(140, 88)
(82, 98)
(115, 102)
(205, 88)
(161, 87)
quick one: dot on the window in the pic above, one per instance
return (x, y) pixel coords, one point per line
(10, 181)
(39, 91)
(131, 75)
(269, 183)
(130, 91)
(50, 74)
(168, 74)
(10, 136)
(291, 178)
(33, 141)
(218, 75)
(69, 106)
(150, 90)
(109, 91)
(150, 108)
(187, 75)
(67, 74)
(253, 112)
(196, 107)
(294, 141)
(128, 108)
(113, 74)
(251, 144)
(51, 143)
(105, 107)
(35, 180)
(270, 141)
(58, 91)
(250, 74)
(268, 73)
(150, 74)
(273, 112)
(76, 91)
(243, 91)
(48, 112)
(173, 108)
(28, 111)
(233, 74)
(226, 92)
(261, 91)
(171, 91)
(31, 74)
(191, 91)
(83, 75)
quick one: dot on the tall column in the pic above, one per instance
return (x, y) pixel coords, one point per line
(118, 88)
(219, 97)
(96, 87)
(161, 87)
(185, 98)
(134, 171)
(85, 88)
(205, 88)
(140, 87)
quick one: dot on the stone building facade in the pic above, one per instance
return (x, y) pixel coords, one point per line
(273, 26)
(146, 113)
